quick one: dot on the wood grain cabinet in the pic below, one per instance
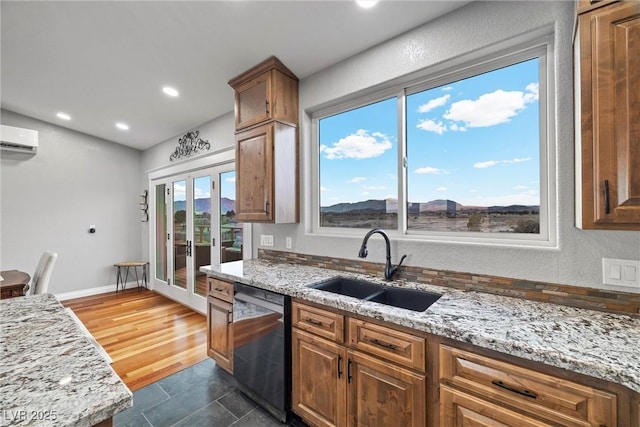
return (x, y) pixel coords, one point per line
(478, 390)
(355, 381)
(609, 72)
(220, 322)
(266, 119)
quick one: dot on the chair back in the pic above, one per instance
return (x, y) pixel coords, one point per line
(40, 280)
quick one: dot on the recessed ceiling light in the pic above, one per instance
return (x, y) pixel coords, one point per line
(122, 126)
(366, 4)
(63, 116)
(170, 91)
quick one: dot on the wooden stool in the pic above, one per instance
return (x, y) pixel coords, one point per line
(122, 278)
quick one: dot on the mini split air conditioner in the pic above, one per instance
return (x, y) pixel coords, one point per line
(18, 139)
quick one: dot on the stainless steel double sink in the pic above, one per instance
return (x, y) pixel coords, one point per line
(410, 299)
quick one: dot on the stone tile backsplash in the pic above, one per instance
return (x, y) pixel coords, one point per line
(573, 296)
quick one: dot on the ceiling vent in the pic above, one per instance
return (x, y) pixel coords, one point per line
(18, 139)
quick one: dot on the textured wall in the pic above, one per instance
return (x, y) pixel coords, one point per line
(50, 199)
(577, 259)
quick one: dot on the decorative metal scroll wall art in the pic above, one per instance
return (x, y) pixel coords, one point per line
(190, 143)
(144, 206)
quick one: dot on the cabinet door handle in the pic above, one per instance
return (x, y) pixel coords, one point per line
(229, 318)
(349, 370)
(339, 366)
(266, 207)
(525, 393)
(383, 344)
(607, 207)
(313, 321)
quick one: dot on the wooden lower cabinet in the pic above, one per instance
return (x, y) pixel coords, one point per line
(381, 394)
(318, 389)
(334, 385)
(461, 409)
(220, 332)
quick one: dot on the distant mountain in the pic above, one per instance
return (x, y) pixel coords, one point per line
(438, 205)
(204, 205)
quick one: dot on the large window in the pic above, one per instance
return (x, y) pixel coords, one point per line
(461, 154)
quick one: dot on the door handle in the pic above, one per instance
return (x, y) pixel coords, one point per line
(339, 366)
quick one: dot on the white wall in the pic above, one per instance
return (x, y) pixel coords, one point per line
(220, 134)
(473, 27)
(50, 199)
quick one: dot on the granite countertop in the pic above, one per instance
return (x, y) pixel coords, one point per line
(50, 373)
(598, 344)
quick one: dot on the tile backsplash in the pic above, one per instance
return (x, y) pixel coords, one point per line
(574, 296)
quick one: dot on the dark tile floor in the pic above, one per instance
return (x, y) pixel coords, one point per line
(202, 395)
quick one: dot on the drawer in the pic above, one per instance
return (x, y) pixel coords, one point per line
(318, 321)
(220, 289)
(400, 347)
(559, 401)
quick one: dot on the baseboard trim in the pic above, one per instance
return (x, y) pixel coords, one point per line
(92, 291)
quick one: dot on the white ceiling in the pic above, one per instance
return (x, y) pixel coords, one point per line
(106, 61)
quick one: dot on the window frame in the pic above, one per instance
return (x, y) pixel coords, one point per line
(432, 77)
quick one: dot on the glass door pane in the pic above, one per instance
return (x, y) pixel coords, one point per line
(161, 232)
(180, 234)
(231, 238)
(201, 231)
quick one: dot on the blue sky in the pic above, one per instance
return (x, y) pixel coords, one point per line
(475, 141)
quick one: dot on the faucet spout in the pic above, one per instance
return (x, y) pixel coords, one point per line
(389, 269)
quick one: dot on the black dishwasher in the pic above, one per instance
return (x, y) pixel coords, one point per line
(262, 347)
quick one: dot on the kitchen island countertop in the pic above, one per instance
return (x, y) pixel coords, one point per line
(601, 345)
(51, 374)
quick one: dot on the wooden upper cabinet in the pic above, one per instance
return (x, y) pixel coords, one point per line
(266, 112)
(266, 174)
(268, 91)
(609, 38)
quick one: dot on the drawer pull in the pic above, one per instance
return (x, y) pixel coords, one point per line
(383, 344)
(525, 393)
(218, 289)
(313, 321)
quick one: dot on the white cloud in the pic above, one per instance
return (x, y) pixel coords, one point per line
(428, 170)
(201, 193)
(455, 127)
(493, 108)
(365, 193)
(179, 192)
(356, 179)
(324, 189)
(441, 189)
(526, 198)
(490, 163)
(230, 179)
(373, 187)
(360, 145)
(447, 88)
(434, 103)
(431, 126)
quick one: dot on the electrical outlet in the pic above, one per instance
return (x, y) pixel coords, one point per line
(621, 272)
(266, 240)
(287, 242)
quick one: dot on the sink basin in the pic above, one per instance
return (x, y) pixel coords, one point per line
(410, 299)
(349, 287)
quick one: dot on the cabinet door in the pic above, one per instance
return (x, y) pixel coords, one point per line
(252, 101)
(318, 391)
(461, 409)
(382, 394)
(610, 71)
(220, 332)
(254, 174)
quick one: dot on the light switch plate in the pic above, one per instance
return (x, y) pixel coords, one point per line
(266, 240)
(287, 243)
(621, 272)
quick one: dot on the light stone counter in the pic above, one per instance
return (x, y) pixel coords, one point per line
(50, 373)
(601, 345)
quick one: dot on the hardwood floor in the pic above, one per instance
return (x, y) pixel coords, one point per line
(147, 335)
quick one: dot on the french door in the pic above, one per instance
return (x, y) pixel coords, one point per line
(194, 222)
